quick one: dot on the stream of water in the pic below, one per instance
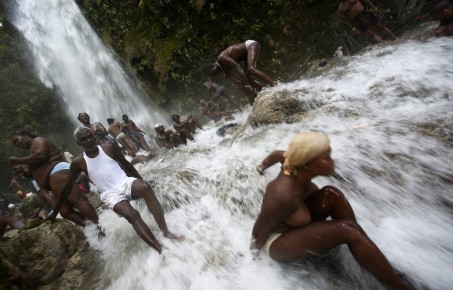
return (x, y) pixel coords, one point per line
(388, 112)
(70, 57)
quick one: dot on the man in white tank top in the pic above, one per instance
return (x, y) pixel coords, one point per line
(118, 182)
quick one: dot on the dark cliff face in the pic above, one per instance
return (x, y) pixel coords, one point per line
(167, 43)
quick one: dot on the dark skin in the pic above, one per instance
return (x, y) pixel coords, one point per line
(98, 129)
(131, 126)
(350, 9)
(17, 185)
(165, 139)
(212, 86)
(5, 221)
(294, 206)
(140, 189)
(114, 130)
(228, 63)
(187, 127)
(214, 113)
(444, 13)
(44, 155)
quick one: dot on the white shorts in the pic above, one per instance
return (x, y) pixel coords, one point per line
(272, 237)
(248, 42)
(122, 192)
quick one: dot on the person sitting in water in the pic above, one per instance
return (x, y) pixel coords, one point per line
(228, 63)
(361, 16)
(292, 221)
(118, 182)
(186, 129)
(217, 91)
(443, 11)
(167, 138)
(214, 112)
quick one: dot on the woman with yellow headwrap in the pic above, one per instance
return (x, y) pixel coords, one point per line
(292, 222)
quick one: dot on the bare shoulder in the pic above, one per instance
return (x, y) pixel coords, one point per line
(282, 190)
(113, 152)
(78, 163)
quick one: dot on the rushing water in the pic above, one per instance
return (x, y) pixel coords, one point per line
(70, 57)
(388, 112)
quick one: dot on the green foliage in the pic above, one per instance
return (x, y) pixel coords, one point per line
(25, 104)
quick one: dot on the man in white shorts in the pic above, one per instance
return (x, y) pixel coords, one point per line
(118, 182)
(248, 79)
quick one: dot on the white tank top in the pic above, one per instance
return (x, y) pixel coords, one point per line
(104, 172)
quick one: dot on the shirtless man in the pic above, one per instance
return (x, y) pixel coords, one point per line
(135, 132)
(118, 182)
(102, 135)
(213, 112)
(216, 91)
(186, 128)
(116, 131)
(167, 138)
(443, 12)
(228, 63)
(48, 167)
(360, 15)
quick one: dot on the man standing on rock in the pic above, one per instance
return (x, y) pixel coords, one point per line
(118, 182)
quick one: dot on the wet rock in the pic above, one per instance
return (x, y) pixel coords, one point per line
(278, 107)
(29, 203)
(49, 256)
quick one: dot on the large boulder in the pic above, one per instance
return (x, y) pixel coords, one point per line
(273, 107)
(48, 256)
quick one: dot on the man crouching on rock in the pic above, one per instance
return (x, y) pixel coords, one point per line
(117, 185)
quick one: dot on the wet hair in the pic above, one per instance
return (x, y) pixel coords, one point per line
(78, 116)
(304, 148)
(174, 116)
(21, 132)
(110, 120)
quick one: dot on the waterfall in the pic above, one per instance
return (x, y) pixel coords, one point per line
(388, 113)
(70, 57)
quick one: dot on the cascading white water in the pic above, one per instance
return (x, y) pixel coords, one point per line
(70, 57)
(388, 112)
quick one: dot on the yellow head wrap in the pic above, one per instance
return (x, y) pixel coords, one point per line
(303, 148)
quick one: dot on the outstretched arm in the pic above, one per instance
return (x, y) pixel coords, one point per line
(275, 157)
(39, 154)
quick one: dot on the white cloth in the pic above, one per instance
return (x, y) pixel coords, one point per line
(272, 237)
(110, 179)
(248, 42)
(123, 192)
